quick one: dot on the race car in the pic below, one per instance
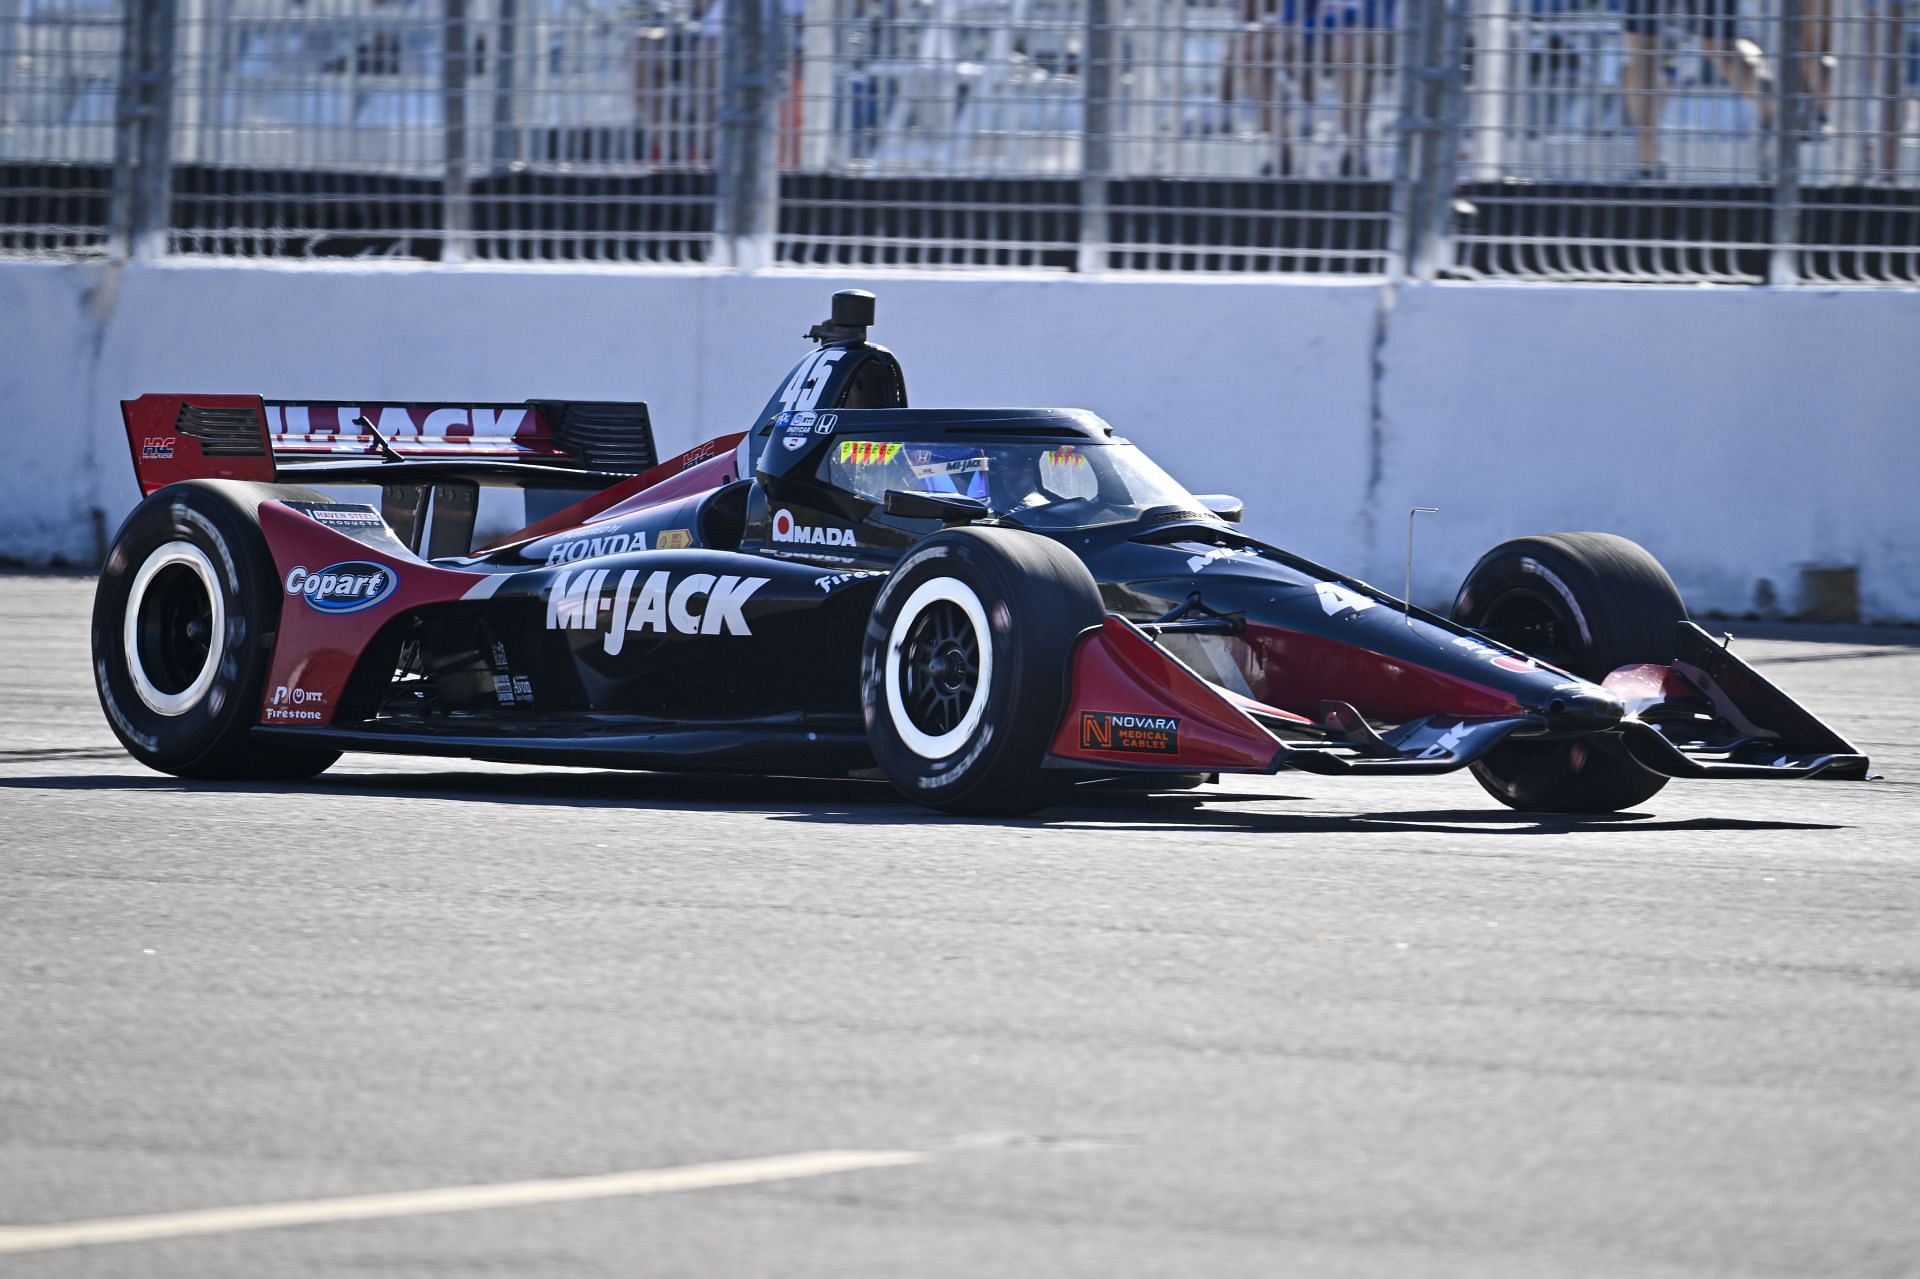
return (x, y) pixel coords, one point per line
(987, 607)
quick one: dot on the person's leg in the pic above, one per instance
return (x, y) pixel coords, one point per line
(1816, 42)
(1293, 81)
(1741, 63)
(1887, 55)
(1361, 45)
(1641, 79)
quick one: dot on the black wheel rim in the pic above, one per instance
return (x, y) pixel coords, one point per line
(174, 628)
(1534, 623)
(1540, 626)
(940, 668)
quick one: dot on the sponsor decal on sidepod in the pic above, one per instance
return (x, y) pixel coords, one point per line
(296, 703)
(662, 603)
(1143, 734)
(586, 548)
(346, 587)
(788, 529)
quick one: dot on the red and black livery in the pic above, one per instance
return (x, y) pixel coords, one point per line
(985, 605)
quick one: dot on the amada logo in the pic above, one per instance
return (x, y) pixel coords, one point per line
(788, 529)
(1142, 734)
(347, 587)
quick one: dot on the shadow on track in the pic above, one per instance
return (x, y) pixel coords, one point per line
(874, 803)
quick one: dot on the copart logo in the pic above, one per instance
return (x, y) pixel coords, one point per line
(788, 529)
(1140, 734)
(347, 587)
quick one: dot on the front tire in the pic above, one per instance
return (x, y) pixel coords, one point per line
(184, 619)
(964, 668)
(1588, 603)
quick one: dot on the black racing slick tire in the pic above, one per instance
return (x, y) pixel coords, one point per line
(184, 619)
(1588, 603)
(964, 668)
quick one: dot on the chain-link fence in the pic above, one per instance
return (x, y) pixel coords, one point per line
(1736, 141)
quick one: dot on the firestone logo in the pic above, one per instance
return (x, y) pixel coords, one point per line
(788, 529)
(347, 587)
(296, 703)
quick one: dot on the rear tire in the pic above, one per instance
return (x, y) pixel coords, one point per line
(1588, 603)
(184, 619)
(963, 670)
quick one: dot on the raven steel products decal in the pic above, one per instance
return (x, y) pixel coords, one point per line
(662, 603)
(673, 539)
(587, 548)
(1140, 734)
(346, 587)
(345, 516)
(788, 529)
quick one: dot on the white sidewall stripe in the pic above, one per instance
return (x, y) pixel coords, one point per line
(194, 559)
(953, 591)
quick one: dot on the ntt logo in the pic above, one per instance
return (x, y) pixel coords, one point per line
(347, 587)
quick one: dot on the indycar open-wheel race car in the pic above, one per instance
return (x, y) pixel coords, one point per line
(987, 606)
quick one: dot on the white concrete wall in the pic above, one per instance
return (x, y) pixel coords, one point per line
(1741, 434)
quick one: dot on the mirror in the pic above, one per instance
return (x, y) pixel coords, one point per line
(948, 508)
(1230, 509)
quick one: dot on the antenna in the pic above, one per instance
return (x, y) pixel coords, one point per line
(379, 441)
(1407, 597)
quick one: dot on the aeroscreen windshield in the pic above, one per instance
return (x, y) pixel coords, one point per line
(1042, 485)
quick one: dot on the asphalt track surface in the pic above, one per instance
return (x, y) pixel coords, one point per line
(1295, 1026)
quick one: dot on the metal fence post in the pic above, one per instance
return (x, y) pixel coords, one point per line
(456, 215)
(1789, 112)
(1431, 126)
(142, 161)
(746, 172)
(1096, 147)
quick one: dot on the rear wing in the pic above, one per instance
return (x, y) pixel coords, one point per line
(569, 444)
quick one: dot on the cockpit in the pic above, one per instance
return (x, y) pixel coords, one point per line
(1041, 484)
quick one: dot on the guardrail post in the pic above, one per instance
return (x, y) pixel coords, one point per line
(746, 171)
(1096, 145)
(1431, 121)
(456, 216)
(1789, 124)
(142, 156)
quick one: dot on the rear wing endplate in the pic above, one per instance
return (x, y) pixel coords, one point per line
(532, 444)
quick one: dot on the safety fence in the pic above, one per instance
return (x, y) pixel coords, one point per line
(1734, 141)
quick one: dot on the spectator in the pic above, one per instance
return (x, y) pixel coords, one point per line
(1739, 62)
(1362, 44)
(1892, 70)
(1269, 59)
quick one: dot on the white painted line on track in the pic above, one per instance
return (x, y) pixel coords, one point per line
(413, 1203)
